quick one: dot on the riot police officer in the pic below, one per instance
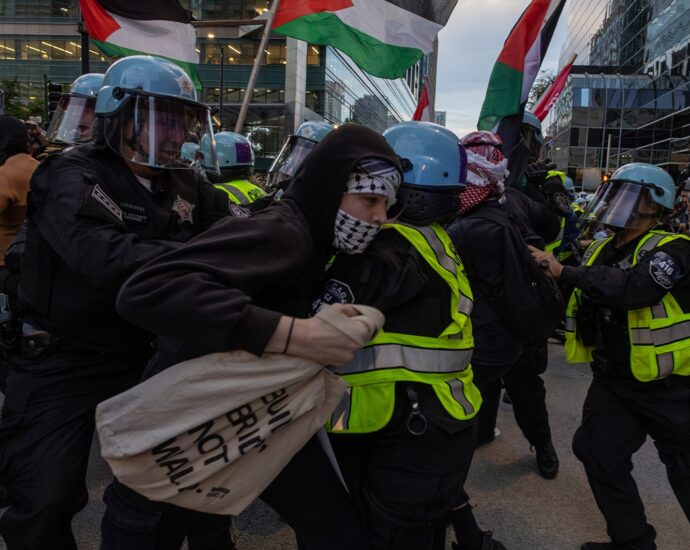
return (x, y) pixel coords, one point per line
(236, 162)
(293, 153)
(75, 116)
(629, 317)
(96, 213)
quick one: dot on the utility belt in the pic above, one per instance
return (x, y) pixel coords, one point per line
(592, 320)
(36, 343)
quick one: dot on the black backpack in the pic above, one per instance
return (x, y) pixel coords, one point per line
(531, 299)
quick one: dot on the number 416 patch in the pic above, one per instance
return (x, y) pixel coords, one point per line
(664, 270)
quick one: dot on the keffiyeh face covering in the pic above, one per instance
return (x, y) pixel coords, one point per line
(487, 169)
(371, 176)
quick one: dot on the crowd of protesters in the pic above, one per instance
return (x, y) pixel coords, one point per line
(142, 240)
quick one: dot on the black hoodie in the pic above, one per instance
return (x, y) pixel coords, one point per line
(228, 287)
(14, 137)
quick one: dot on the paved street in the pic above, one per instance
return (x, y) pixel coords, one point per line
(524, 511)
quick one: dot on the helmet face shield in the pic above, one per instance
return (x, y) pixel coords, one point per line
(154, 131)
(621, 204)
(532, 140)
(73, 120)
(288, 161)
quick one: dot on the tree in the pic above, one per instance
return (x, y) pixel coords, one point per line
(542, 82)
(20, 108)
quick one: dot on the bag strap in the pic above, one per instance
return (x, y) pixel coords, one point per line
(360, 328)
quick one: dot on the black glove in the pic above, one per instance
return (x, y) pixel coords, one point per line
(535, 173)
(556, 195)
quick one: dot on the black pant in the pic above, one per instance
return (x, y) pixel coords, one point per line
(617, 417)
(46, 431)
(307, 494)
(406, 485)
(526, 389)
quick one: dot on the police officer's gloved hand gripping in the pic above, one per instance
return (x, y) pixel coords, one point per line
(536, 172)
(314, 339)
(547, 262)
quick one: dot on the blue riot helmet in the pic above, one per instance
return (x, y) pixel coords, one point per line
(190, 151)
(532, 136)
(74, 116)
(569, 185)
(634, 193)
(434, 171)
(147, 109)
(294, 151)
(235, 157)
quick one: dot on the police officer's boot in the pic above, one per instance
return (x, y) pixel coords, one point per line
(643, 542)
(547, 460)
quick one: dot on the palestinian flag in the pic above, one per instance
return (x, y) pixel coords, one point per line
(512, 78)
(423, 110)
(550, 96)
(155, 27)
(383, 37)
(518, 64)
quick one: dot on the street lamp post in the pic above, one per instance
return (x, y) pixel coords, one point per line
(222, 83)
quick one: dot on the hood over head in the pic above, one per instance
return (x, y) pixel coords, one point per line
(319, 184)
(14, 137)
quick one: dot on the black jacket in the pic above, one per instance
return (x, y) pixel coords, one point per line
(91, 224)
(227, 288)
(480, 244)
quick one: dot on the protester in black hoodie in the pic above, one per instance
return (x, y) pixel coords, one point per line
(241, 285)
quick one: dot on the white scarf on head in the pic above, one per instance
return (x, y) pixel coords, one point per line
(498, 172)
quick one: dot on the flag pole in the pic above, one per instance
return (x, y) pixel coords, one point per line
(255, 69)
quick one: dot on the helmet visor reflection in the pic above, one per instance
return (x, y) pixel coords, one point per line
(288, 161)
(73, 120)
(154, 131)
(617, 204)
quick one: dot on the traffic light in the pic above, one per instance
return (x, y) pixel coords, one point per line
(53, 93)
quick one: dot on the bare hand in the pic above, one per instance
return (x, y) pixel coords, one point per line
(546, 261)
(314, 339)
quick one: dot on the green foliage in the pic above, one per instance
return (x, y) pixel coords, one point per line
(542, 82)
(20, 108)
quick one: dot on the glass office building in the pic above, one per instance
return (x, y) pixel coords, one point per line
(39, 37)
(628, 97)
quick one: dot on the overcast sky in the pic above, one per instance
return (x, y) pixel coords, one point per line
(468, 48)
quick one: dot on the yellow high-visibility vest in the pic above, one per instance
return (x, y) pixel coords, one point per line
(659, 335)
(241, 192)
(442, 361)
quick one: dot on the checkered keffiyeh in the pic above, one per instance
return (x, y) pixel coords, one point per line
(486, 169)
(353, 235)
(374, 176)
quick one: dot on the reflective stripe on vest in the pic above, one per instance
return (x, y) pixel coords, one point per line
(241, 192)
(443, 362)
(415, 359)
(659, 335)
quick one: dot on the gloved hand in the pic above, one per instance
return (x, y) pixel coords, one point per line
(556, 195)
(535, 173)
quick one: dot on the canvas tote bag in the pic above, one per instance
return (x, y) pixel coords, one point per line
(211, 433)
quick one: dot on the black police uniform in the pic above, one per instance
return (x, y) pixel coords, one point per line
(91, 224)
(249, 271)
(620, 411)
(405, 483)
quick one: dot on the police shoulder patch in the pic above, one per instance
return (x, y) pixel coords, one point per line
(664, 270)
(100, 196)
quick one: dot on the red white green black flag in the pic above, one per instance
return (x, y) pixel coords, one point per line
(518, 63)
(383, 37)
(156, 27)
